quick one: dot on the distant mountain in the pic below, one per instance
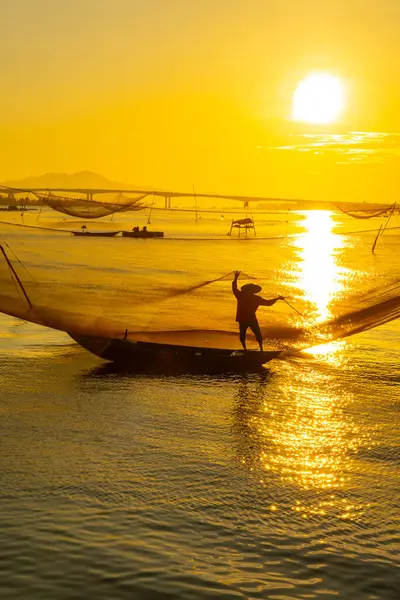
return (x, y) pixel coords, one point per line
(83, 179)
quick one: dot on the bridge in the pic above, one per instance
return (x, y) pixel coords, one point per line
(167, 195)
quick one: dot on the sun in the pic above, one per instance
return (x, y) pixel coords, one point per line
(318, 99)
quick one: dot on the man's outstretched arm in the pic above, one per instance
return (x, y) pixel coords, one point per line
(265, 302)
(234, 284)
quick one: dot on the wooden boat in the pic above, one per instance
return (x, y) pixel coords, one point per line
(170, 357)
(143, 234)
(96, 233)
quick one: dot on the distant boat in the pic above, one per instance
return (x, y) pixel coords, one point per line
(96, 233)
(161, 357)
(13, 208)
(143, 234)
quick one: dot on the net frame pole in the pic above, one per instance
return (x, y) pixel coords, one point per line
(13, 271)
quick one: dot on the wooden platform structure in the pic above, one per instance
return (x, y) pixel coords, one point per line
(243, 227)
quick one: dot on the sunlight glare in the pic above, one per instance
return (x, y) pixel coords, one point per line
(318, 99)
(328, 349)
(320, 275)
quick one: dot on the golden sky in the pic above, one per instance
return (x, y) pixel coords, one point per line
(171, 93)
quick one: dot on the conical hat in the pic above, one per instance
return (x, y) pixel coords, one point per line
(251, 288)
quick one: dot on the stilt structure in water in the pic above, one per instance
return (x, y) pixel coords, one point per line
(243, 227)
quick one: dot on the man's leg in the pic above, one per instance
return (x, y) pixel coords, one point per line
(242, 334)
(257, 332)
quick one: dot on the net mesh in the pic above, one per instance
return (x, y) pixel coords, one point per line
(115, 299)
(358, 211)
(92, 209)
(77, 204)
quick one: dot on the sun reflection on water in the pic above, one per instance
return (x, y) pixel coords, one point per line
(331, 351)
(320, 275)
(310, 445)
(308, 439)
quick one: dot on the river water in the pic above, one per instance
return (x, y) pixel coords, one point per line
(282, 484)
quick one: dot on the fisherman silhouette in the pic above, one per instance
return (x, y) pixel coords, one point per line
(247, 305)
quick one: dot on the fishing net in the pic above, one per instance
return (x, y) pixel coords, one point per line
(76, 205)
(92, 209)
(358, 211)
(376, 306)
(174, 293)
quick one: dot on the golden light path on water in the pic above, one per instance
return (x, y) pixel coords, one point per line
(312, 445)
(320, 274)
(309, 441)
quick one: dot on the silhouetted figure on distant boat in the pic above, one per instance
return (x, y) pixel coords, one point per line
(144, 229)
(135, 229)
(247, 305)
